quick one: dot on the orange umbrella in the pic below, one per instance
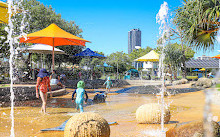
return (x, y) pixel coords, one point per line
(217, 56)
(53, 36)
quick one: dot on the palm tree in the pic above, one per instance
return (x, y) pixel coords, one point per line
(199, 22)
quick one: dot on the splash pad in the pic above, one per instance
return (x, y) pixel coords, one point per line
(117, 108)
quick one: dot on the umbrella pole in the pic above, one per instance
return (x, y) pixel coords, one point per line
(31, 65)
(42, 66)
(53, 56)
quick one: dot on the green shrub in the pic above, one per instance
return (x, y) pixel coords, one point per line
(191, 77)
(217, 86)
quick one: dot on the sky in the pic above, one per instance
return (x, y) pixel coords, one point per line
(106, 22)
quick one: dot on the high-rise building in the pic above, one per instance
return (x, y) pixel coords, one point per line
(134, 40)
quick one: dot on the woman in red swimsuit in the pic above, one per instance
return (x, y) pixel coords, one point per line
(44, 82)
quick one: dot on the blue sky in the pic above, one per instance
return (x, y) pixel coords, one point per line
(106, 22)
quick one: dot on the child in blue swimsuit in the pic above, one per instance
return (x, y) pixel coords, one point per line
(108, 84)
(80, 92)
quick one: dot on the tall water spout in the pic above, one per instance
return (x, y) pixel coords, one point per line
(12, 41)
(207, 115)
(162, 19)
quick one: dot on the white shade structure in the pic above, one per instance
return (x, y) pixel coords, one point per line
(42, 49)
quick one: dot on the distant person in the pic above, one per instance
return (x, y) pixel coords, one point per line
(44, 82)
(35, 73)
(55, 79)
(63, 78)
(155, 72)
(108, 84)
(149, 77)
(80, 75)
(93, 75)
(80, 92)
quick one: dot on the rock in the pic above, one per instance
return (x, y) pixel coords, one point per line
(184, 81)
(193, 84)
(198, 83)
(87, 124)
(89, 85)
(205, 86)
(207, 82)
(214, 82)
(204, 82)
(197, 134)
(151, 114)
(165, 94)
(191, 129)
(99, 98)
(177, 82)
(169, 94)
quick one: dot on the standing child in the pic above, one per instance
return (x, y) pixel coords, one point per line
(44, 82)
(108, 84)
(80, 92)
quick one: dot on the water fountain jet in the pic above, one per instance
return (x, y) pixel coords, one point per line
(12, 40)
(162, 19)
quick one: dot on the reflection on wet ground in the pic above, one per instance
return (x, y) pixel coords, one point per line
(118, 107)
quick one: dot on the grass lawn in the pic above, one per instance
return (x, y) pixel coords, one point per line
(217, 86)
(4, 85)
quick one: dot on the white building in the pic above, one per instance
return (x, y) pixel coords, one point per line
(147, 66)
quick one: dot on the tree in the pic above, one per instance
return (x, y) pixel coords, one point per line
(42, 16)
(4, 48)
(39, 17)
(174, 55)
(92, 62)
(198, 20)
(120, 62)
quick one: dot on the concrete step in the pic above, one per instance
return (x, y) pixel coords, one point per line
(58, 92)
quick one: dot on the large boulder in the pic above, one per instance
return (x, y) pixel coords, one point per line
(151, 114)
(87, 124)
(204, 83)
(192, 129)
(177, 82)
(184, 81)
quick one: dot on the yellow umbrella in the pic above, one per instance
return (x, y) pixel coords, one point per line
(3, 12)
(203, 69)
(152, 56)
(53, 36)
